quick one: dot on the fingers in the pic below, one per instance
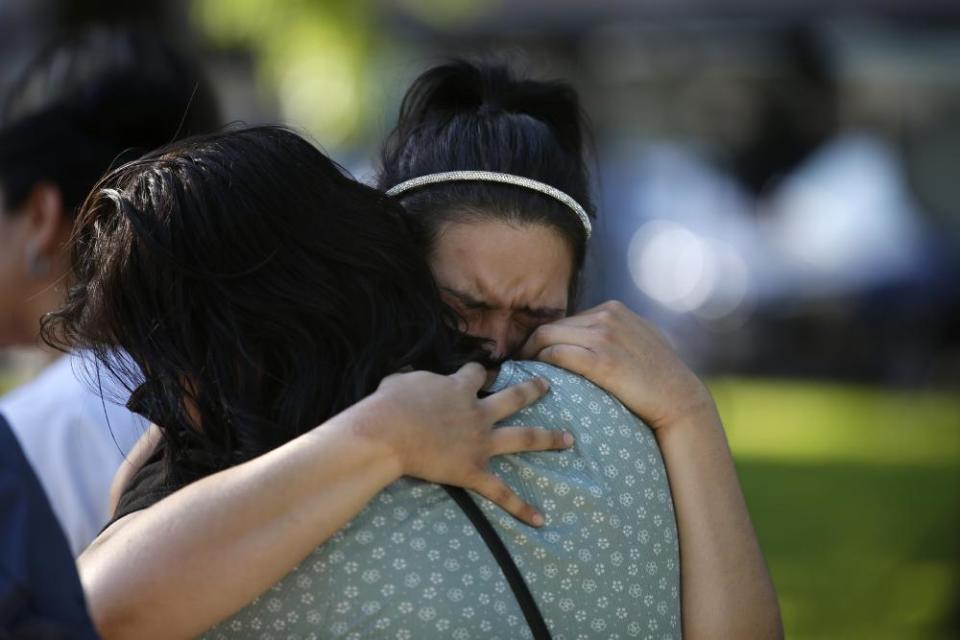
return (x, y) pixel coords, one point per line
(519, 439)
(507, 402)
(614, 314)
(577, 359)
(471, 374)
(496, 491)
(582, 319)
(556, 333)
(612, 307)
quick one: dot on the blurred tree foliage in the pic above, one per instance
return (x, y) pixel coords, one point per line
(312, 54)
(322, 58)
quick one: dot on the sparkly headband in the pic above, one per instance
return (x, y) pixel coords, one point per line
(502, 178)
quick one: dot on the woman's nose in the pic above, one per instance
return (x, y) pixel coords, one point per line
(498, 332)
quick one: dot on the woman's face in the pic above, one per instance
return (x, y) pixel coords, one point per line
(14, 284)
(32, 262)
(504, 280)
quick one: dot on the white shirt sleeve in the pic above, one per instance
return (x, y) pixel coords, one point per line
(75, 441)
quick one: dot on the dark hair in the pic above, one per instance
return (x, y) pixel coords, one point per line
(480, 116)
(251, 282)
(92, 98)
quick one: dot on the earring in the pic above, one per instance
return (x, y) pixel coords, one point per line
(37, 265)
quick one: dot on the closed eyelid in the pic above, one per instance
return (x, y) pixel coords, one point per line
(466, 299)
(545, 315)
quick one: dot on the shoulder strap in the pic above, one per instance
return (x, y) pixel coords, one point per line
(510, 571)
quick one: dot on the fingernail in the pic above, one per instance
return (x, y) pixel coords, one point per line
(537, 520)
(568, 439)
(543, 384)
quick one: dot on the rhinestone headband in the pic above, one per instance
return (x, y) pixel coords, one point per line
(492, 176)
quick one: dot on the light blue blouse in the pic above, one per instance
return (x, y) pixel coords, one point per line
(412, 566)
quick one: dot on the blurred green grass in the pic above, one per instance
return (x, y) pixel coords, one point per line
(855, 494)
(7, 382)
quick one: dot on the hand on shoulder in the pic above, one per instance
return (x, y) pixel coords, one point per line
(627, 356)
(440, 430)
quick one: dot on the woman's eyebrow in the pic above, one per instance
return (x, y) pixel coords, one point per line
(467, 299)
(537, 313)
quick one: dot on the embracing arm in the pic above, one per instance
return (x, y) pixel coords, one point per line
(727, 590)
(181, 565)
(726, 587)
(174, 569)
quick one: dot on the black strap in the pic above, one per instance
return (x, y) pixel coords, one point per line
(510, 571)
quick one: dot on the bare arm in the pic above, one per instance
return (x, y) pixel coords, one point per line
(140, 453)
(727, 590)
(174, 569)
(180, 566)
(726, 587)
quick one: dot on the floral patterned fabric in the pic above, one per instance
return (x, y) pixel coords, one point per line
(411, 565)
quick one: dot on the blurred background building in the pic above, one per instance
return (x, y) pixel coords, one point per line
(780, 192)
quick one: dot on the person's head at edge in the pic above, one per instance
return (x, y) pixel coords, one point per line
(256, 288)
(90, 99)
(506, 258)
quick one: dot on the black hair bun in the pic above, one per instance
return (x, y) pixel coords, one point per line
(481, 89)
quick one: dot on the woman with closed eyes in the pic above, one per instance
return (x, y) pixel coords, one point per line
(502, 215)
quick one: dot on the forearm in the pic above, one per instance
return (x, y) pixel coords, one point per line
(727, 591)
(197, 556)
(726, 587)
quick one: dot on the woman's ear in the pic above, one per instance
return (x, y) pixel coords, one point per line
(48, 227)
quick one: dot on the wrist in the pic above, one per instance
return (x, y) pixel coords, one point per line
(698, 414)
(368, 425)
